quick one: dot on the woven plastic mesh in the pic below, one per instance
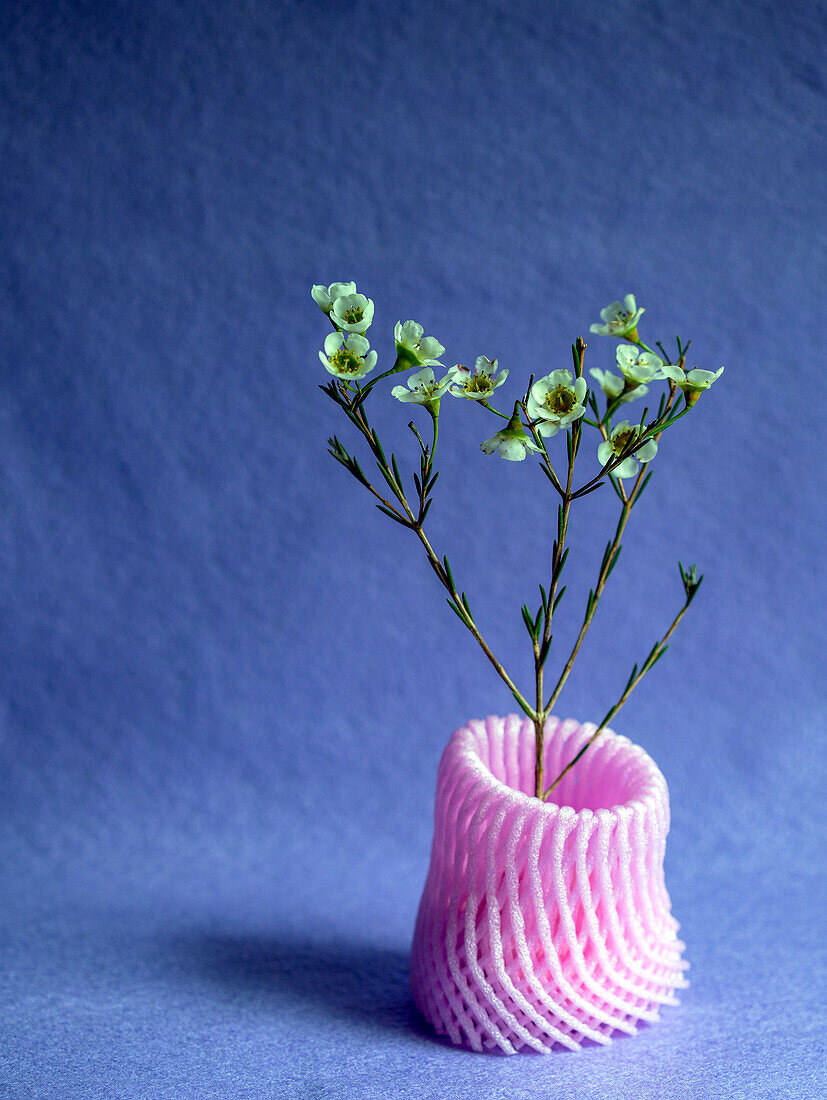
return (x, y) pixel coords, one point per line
(544, 924)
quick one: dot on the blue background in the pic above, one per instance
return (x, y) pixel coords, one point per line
(226, 680)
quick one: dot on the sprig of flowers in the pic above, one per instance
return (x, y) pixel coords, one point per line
(558, 403)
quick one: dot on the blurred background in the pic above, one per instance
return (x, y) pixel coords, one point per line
(226, 679)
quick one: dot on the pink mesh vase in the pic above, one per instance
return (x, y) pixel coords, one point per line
(545, 923)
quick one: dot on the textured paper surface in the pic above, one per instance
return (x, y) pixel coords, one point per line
(217, 772)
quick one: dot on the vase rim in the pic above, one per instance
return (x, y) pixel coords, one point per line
(650, 792)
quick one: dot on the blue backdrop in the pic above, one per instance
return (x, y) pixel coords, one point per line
(226, 680)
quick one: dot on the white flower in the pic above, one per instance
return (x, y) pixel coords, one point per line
(621, 437)
(613, 386)
(352, 312)
(414, 348)
(325, 296)
(638, 367)
(555, 402)
(477, 384)
(347, 360)
(423, 389)
(692, 382)
(511, 443)
(619, 319)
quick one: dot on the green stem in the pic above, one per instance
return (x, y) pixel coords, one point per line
(491, 408)
(657, 651)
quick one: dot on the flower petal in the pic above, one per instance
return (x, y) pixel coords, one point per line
(422, 377)
(410, 334)
(512, 449)
(338, 290)
(627, 468)
(558, 378)
(430, 348)
(358, 344)
(648, 451)
(626, 356)
(546, 428)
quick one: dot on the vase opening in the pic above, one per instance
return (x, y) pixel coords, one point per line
(613, 772)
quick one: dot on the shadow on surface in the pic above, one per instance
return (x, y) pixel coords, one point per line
(363, 984)
(366, 984)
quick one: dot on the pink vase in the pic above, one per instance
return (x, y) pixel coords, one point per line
(545, 923)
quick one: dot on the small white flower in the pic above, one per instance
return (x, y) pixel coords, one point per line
(325, 296)
(352, 312)
(692, 382)
(414, 348)
(477, 384)
(556, 401)
(423, 389)
(511, 443)
(619, 319)
(621, 437)
(347, 360)
(638, 367)
(613, 386)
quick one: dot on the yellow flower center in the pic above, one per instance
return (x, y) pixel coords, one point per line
(478, 383)
(344, 361)
(561, 400)
(354, 315)
(622, 439)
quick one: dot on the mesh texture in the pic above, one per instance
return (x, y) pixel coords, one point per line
(545, 924)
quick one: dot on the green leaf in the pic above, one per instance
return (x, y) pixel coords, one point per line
(591, 489)
(536, 632)
(527, 619)
(396, 473)
(590, 603)
(457, 611)
(546, 471)
(615, 486)
(524, 707)
(613, 562)
(605, 558)
(659, 655)
(644, 483)
(559, 597)
(448, 573)
(399, 519)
